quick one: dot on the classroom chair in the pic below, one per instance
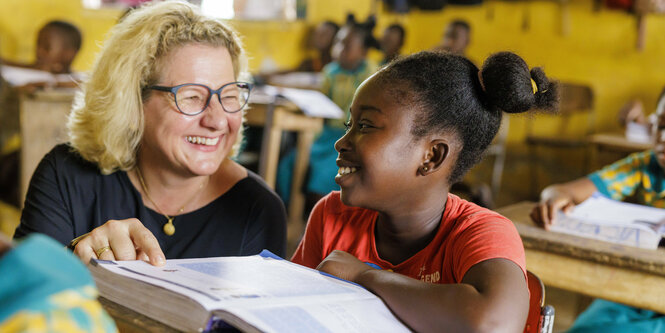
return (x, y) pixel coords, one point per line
(576, 109)
(541, 316)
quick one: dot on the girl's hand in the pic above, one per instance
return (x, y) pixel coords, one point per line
(545, 212)
(343, 265)
(561, 197)
(120, 240)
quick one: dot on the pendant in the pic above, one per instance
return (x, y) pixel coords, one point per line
(169, 228)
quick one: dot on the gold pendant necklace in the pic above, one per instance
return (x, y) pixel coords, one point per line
(169, 228)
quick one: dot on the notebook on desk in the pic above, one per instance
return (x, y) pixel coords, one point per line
(614, 221)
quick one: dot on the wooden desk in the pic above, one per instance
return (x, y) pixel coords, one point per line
(594, 268)
(617, 142)
(43, 119)
(130, 321)
(607, 148)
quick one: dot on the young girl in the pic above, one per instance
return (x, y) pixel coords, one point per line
(416, 127)
(341, 79)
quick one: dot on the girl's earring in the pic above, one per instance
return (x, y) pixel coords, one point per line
(425, 169)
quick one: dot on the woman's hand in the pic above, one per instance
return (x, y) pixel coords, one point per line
(343, 265)
(120, 240)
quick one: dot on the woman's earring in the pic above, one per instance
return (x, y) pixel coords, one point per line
(425, 169)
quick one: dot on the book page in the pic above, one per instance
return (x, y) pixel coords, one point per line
(605, 219)
(366, 315)
(235, 280)
(603, 210)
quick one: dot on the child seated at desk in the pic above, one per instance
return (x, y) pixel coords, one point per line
(640, 176)
(416, 127)
(321, 40)
(58, 42)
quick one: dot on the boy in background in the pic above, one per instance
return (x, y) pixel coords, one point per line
(456, 38)
(58, 42)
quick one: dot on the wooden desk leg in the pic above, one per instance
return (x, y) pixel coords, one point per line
(297, 204)
(272, 137)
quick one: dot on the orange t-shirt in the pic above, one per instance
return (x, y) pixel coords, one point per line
(468, 234)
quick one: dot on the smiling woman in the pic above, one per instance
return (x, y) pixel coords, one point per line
(147, 172)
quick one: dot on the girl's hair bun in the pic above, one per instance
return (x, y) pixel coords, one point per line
(508, 84)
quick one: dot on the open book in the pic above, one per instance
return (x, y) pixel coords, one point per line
(614, 221)
(261, 293)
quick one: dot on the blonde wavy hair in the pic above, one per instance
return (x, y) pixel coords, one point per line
(106, 122)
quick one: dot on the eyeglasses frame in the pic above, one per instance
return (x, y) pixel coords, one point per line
(174, 90)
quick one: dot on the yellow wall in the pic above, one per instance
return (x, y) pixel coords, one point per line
(599, 48)
(21, 20)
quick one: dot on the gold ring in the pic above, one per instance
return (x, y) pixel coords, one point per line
(99, 252)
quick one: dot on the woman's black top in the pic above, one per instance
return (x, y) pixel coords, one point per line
(68, 196)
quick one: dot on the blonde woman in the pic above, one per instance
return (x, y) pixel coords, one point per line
(147, 172)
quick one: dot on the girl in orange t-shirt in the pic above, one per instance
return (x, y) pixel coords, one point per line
(416, 127)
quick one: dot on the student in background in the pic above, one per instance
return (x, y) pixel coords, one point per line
(341, 78)
(416, 127)
(321, 40)
(391, 42)
(640, 176)
(58, 42)
(456, 38)
(637, 123)
(45, 289)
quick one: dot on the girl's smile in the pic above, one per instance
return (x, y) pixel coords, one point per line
(379, 158)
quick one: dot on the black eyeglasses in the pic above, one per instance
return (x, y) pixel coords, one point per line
(192, 98)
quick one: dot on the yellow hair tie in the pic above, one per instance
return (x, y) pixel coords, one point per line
(534, 86)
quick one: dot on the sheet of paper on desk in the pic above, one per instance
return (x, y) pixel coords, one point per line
(619, 222)
(638, 132)
(17, 76)
(313, 103)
